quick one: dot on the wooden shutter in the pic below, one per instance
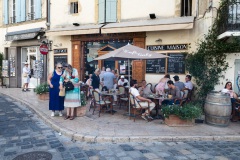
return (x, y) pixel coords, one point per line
(18, 10)
(101, 11)
(139, 66)
(111, 10)
(6, 11)
(38, 9)
(23, 11)
(76, 57)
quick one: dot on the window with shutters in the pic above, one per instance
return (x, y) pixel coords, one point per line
(107, 11)
(186, 8)
(73, 7)
(12, 11)
(30, 10)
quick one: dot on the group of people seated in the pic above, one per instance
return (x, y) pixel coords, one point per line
(167, 86)
(174, 89)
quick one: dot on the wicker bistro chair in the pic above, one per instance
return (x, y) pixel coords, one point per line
(136, 107)
(99, 102)
(123, 98)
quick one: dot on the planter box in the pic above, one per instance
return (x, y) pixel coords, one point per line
(44, 96)
(175, 121)
(80, 111)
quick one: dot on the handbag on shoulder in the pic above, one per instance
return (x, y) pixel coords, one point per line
(68, 86)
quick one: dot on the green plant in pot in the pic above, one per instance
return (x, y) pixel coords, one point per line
(42, 88)
(188, 111)
(83, 99)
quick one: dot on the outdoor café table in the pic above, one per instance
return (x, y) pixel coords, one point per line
(155, 98)
(111, 94)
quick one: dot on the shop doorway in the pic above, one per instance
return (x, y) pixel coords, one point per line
(32, 56)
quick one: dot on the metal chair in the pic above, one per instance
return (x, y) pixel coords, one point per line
(122, 98)
(99, 102)
(136, 107)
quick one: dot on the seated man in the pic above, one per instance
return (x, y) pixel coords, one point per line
(177, 83)
(122, 81)
(142, 101)
(144, 90)
(188, 83)
(175, 93)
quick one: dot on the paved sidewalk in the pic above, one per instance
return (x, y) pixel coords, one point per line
(118, 128)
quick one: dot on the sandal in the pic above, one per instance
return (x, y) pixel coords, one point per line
(71, 118)
(66, 117)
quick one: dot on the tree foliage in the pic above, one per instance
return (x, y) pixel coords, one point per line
(208, 63)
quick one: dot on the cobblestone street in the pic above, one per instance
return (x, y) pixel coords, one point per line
(21, 131)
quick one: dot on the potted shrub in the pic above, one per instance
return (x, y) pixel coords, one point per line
(81, 111)
(185, 115)
(42, 91)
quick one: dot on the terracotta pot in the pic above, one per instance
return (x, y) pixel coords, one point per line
(44, 96)
(80, 111)
(175, 121)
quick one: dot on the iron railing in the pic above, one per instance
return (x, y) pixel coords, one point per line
(30, 16)
(230, 16)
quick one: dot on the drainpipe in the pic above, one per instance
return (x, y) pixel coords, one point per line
(48, 15)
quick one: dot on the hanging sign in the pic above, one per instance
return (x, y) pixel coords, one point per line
(43, 49)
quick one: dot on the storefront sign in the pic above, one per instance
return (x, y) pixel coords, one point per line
(168, 47)
(63, 50)
(43, 49)
(20, 36)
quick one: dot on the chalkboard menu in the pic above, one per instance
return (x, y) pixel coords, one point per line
(60, 59)
(176, 63)
(155, 65)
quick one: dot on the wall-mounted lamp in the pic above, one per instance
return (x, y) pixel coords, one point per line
(76, 24)
(159, 40)
(152, 15)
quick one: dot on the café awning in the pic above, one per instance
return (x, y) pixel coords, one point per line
(23, 34)
(175, 23)
(75, 30)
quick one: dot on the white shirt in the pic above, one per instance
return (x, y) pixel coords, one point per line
(120, 82)
(26, 70)
(134, 92)
(188, 85)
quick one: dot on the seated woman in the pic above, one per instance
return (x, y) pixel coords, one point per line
(228, 89)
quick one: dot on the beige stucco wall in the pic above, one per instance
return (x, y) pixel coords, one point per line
(134, 9)
(229, 74)
(61, 17)
(60, 42)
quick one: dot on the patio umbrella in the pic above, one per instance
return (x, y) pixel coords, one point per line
(130, 52)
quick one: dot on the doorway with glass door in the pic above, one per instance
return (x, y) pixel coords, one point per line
(31, 56)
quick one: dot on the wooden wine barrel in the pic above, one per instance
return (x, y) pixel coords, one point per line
(218, 109)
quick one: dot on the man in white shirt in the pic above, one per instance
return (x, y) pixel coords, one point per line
(188, 83)
(144, 102)
(122, 81)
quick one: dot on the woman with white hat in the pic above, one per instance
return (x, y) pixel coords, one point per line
(26, 79)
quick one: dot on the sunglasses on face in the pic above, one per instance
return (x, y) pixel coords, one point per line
(60, 67)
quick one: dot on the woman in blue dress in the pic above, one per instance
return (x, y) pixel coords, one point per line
(55, 101)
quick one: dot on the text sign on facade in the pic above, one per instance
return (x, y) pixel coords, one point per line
(168, 47)
(21, 36)
(63, 50)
